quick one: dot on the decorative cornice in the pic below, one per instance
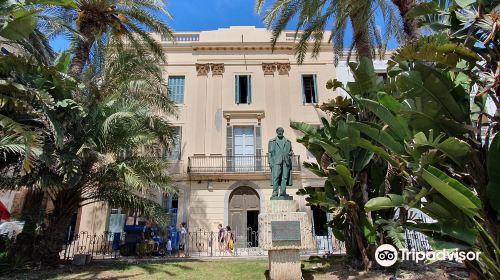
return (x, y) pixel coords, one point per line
(268, 68)
(202, 69)
(244, 114)
(283, 68)
(217, 68)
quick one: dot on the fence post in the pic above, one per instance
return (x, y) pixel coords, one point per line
(211, 244)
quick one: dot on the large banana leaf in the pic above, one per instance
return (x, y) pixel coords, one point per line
(453, 148)
(345, 174)
(458, 194)
(380, 136)
(20, 25)
(387, 202)
(315, 168)
(493, 161)
(400, 129)
(364, 143)
(427, 82)
(367, 83)
(453, 229)
(439, 208)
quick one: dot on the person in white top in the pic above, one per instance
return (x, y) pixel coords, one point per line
(169, 246)
(182, 240)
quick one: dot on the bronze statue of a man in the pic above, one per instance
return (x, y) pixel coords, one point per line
(280, 160)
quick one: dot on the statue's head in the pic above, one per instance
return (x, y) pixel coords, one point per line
(280, 131)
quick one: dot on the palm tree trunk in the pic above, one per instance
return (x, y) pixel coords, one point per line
(22, 250)
(66, 203)
(410, 24)
(82, 50)
(361, 36)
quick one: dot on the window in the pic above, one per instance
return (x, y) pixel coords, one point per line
(116, 220)
(174, 153)
(309, 89)
(176, 89)
(244, 148)
(319, 221)
(243, 89)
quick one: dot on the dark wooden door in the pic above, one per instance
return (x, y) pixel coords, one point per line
(242, 200)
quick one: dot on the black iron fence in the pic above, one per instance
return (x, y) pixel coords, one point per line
(233, 164)
(204, 243)
(104, 245)
(415, 240)
(200, 243)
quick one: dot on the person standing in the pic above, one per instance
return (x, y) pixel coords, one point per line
(220, 239)
(230, 240)
(169, 246)
(182, 241)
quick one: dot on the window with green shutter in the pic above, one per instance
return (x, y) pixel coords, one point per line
(229, 148)
(309, 89)
(176, 89)
(258, 148)
(243, 89)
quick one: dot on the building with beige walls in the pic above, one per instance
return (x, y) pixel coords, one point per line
(232, 91)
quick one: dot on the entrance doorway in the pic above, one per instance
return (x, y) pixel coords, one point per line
(244, 207)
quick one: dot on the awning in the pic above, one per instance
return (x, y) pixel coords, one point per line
(4, 213)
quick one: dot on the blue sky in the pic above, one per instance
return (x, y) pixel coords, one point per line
(199, 15)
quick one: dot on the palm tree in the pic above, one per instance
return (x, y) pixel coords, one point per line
(76, 153)
(314, 16)
(123, 113)
(127, 21)
(411, 25)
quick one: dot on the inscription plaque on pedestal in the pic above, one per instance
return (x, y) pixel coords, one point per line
(285, 233)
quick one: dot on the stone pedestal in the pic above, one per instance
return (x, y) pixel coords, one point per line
(292, 233)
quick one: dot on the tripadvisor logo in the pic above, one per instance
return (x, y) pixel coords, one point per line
(386, 255)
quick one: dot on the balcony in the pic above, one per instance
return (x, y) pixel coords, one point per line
(216, 164)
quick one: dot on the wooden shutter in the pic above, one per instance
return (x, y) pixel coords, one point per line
(258, 148)
(303, 89)
(176, 89)
(229, 148)
(315, 89)
(249, 89)
(237, 89)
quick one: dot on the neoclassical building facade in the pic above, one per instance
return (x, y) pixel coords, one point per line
(232, 91)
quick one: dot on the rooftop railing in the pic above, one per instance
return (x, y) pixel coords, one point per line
(183, 38)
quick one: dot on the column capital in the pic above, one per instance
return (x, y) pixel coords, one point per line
(217, 68)
(268, 68)
(202, 69)
(283, 68)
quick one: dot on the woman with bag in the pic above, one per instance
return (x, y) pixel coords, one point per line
(229, 238)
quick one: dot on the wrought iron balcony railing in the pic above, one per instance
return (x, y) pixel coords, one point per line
(233, 164)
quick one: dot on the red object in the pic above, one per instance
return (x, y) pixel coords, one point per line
(4, 213)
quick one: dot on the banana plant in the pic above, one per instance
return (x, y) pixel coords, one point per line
(435, 166)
